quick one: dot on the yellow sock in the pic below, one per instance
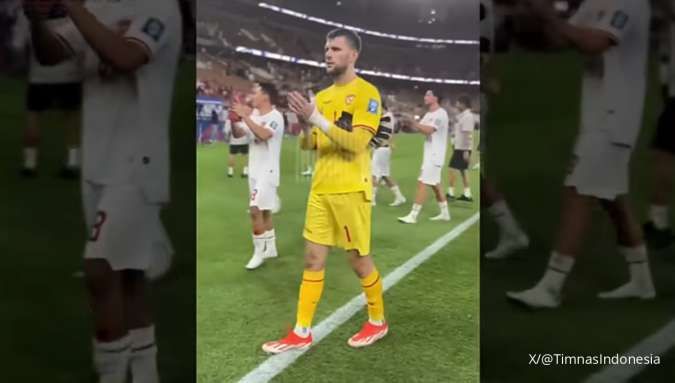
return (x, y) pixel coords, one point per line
(372, 287)
(310, 293)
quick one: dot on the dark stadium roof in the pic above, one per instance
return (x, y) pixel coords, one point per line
(453, 19)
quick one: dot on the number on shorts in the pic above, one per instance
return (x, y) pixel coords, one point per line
(253, 194)
(96, 230)
(349, 237)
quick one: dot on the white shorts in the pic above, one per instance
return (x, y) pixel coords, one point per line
(124, 228)
(430, 174)
(599, 167)
(381, 162)
(263, 195)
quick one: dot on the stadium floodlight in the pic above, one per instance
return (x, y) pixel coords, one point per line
(319, 20)
(368, 72)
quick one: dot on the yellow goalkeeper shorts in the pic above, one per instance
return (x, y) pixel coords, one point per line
(341, 220)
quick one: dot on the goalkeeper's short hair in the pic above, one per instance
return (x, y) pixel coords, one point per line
(352, 37)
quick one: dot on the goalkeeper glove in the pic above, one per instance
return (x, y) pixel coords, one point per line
(384, 133)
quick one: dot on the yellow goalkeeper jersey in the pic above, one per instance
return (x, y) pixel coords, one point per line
(355, 105)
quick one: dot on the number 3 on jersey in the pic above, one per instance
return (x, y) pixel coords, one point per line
(96, 229)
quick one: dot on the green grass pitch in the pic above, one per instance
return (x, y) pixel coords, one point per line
(532, 125)
(433, 312)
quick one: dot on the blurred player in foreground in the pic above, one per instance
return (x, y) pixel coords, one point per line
(511, 237)
(382, 161)
(264, 127)
(657, 230)
(131, 52)
(614, 38)
(434, 126)
(345, 119)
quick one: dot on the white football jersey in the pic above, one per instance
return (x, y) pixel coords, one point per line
(435, 144)
(69, 71)
(264, 156)
(126, 116)
(466, 123)
(614, 84)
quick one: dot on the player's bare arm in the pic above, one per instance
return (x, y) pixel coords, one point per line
(244, 111)
(589, 41)
(48, 48)
(355, 141)
(122, 54)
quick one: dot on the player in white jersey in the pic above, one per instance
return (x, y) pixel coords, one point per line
(613, 36)
(265, 128)
(381, 162)
(511, 237)
(463, 145)
(131, 51)
(50, 88)
(434, 125)
(658, 232)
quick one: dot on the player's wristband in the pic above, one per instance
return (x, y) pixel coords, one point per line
(319, 121)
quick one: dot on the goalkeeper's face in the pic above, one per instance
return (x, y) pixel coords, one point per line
(339, 55)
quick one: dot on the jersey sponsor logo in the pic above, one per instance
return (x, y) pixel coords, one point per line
(373, 105)
(154, 28)
(349, 99)
(619, 20)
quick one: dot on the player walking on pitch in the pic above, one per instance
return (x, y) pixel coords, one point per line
(131, 52)
(434, 125)
(345, 119)
(461, 156)
(382, 161)
(614, 36)
(264, 127)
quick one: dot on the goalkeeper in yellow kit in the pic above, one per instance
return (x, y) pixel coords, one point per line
(345, 121)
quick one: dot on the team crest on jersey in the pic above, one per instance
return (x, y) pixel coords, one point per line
(154, 28)
(373, 105)
(349, 99)
(273, 125)
(619, 20)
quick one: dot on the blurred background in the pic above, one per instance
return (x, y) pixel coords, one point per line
(45, 323)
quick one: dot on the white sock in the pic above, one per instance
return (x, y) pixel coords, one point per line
(451, 191)
(559, 266)
(259, 243)
(374, 192)
(444, 207)
(416, 210)
(501, 213)
(376, 322)
(30, 157)
(638, 264)
(111, 359)
(271, 239)
(230, 170)
(397, 192)
(302, 332)
(467, 192)
(245, 171)
(73, 157)
(659, 215)
(144, 355)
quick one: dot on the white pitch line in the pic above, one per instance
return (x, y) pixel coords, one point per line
(656, 344)
(274, 365)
